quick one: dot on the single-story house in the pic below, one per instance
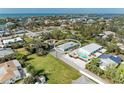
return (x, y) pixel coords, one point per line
(105, 34)
(8, 42)
(67, 46)
(8, 24)
(5, 51)
(2, 32)
(20, 32)
(90, 51)
(90, 21)
(109, 33)
(107, 60)
(10, 72)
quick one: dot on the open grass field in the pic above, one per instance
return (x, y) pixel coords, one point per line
(58, 72)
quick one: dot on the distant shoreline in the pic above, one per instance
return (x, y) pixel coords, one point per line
(51, 14)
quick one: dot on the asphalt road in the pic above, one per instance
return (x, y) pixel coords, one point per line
(83, 80)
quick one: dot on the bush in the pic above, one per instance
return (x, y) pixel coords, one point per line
(95, 69)
(29, 80)
(41, 52)
(21, 57)
(112, 73)
(16, 45)
(7, 58)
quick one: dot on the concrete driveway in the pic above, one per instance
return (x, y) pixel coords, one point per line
(77, 61)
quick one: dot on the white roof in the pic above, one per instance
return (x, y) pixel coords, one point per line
(91, 48)
(8, 40)
(12, 40)
(18, 39)
(98, 54)
(9, 23)
(109, 32)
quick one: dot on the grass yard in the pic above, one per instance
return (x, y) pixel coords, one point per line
(58, 72)
(121, 67)
(19, 81)
(28, 40)
(22, 51)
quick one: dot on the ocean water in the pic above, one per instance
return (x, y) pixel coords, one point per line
(57, 14)
(26, 15)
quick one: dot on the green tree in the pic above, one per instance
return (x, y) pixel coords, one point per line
(29, 80)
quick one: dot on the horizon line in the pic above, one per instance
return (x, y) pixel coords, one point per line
(61, 10)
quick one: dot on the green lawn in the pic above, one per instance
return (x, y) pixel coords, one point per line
(22, 51)
(19, 81)
(58, 72)
(28, 40)
(121, 67)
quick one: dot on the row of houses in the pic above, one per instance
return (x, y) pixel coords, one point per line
(8, 33)
(90, 51)
(10, 71)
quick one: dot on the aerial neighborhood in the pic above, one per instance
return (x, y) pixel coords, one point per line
(62, 49)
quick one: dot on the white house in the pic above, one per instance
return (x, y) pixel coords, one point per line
(90, 51)
(8, 42)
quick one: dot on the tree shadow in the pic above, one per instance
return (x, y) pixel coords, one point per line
(28, 59)
(40, 72)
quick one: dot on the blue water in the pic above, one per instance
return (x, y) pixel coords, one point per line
(54, 14)
(26, 15)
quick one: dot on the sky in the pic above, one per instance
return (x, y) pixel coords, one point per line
(62, 10)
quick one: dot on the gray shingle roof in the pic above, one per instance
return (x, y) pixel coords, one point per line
(67, 45)
(5, 52)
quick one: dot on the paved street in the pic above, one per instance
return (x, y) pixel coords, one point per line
(83, 80)
(79, 65)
